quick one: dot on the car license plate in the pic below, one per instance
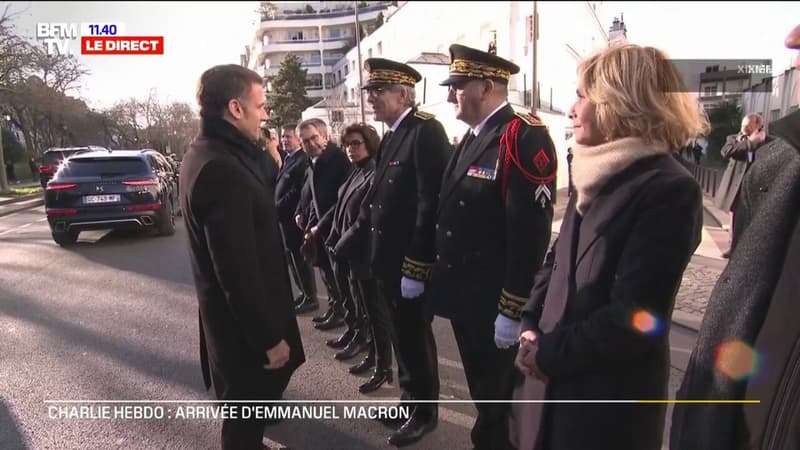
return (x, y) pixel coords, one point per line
(95, 199)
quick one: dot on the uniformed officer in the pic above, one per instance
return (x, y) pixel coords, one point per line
(493, 228)
(401, 210)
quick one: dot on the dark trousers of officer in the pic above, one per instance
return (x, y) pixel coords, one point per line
(377, 319)
(490, 376)
(348, 304)
(415, 347)
(301, 270)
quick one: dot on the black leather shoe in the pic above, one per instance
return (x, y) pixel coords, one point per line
(341, 341)
(366, 364)
(393, 422)
(357, 345)
(412, 430)
(324, 317)
(334, 321)
(377, 380)
(308, 305)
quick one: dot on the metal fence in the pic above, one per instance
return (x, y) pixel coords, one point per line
(708, 177)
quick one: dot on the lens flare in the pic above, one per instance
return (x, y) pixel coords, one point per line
(736, 360)
(646, 323)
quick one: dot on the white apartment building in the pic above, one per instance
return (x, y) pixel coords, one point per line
(318, 33)
(420, 34)
(774, 98)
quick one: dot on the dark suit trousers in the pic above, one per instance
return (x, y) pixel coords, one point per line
(329, 278)
(244, 434)
(415, 348)
(489, 372)
(377, 320)
(301, 270)
(347, 301)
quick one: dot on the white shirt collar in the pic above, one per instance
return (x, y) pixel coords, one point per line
(399, 119)
(476, 131)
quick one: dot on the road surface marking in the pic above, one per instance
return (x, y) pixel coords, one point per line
(22, 226)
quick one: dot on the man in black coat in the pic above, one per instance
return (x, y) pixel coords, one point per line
(748, 346)
(494, 223)
(249, 340)
(328, 169)
(401, 214)
(287, 197)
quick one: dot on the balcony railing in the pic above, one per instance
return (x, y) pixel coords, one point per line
(295, 41)
(301, 14)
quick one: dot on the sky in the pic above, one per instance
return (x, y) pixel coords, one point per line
(199, 35)
(713, 30)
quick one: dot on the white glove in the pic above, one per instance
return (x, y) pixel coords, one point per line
(410, 288)
(506, 331)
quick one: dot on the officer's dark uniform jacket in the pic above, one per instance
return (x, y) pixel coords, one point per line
(494, 218)
(403, 199)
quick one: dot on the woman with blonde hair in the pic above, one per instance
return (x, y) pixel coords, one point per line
(596, 326)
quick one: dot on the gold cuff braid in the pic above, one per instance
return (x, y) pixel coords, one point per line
(511, 305)
(416, 270)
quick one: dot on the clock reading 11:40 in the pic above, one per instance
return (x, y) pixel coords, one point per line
(102, 29)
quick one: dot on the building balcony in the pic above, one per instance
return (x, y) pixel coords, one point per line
(301, 14)
(316, 92)
(341, 43)
(719, 96)
(290, 46)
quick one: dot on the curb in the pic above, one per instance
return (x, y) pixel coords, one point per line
(21, 198)
(687, 320)
(720, 216)
(14, 208)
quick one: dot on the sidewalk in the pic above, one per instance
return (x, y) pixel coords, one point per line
(702, 272)
(12, 203)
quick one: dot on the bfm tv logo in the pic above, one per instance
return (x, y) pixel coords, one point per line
(96, 39)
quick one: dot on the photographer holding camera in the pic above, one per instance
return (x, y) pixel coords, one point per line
(740, 151)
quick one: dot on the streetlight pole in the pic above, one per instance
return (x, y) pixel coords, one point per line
(3, 180)
(534, 80)
(360, 70)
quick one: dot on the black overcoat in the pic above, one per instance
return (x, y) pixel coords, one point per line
(243, 288)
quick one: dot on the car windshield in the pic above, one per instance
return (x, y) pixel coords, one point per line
(104, 167)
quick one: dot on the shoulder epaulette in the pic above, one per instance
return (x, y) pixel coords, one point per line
(423, 115)
(530, 119)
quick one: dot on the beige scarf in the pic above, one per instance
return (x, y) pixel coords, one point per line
(592, 166)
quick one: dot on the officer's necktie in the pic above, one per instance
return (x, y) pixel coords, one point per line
(467, 140)
(386, 138)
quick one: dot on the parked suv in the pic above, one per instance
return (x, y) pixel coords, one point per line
(52, 158)
(105, 189)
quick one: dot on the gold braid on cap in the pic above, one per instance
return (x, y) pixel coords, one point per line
(474, 69)
(391, 77)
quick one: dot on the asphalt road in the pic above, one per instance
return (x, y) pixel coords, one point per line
(115, 319)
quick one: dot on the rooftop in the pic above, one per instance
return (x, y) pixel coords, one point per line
(430, 58)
